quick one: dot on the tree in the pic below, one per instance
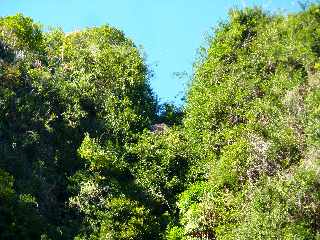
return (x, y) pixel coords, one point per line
(248, 117)
(55, 88)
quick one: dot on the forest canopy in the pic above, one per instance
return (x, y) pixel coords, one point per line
(87, 152)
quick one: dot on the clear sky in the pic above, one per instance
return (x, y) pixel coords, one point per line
(170, 31)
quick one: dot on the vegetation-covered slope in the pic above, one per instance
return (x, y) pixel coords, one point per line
(80, 159)
(252, 118)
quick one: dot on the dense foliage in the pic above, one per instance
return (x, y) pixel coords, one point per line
(57, 92)
(252, 117)
(87, 153)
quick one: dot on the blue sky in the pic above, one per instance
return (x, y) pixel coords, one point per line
(170, 31)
